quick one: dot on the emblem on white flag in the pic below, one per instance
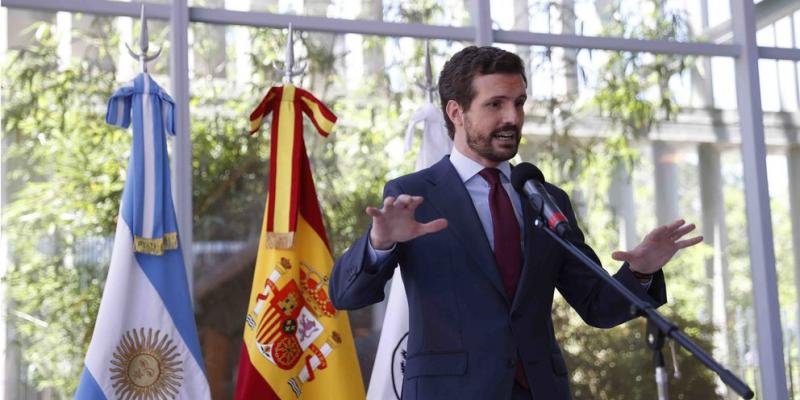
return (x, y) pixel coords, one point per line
(145, 366)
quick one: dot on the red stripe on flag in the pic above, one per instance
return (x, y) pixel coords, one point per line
(299, 149)
(249, 383)
(309, 204)
(267, 103)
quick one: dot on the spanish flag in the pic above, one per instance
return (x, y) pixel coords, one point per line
(296, 344)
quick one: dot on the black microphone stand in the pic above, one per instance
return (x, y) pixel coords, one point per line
(655, 341)
(658, 327)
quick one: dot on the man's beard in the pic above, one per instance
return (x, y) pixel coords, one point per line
(482, 145)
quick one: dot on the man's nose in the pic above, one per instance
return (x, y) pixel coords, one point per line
(512, 115)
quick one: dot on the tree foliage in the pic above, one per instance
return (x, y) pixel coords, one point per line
(65, 177)
(617, 364)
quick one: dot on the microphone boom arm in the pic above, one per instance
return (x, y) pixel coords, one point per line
(640, 307)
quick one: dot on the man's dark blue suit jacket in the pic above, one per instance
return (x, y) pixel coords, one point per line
(465, 335)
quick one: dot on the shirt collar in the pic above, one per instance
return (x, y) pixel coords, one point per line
(468, 168)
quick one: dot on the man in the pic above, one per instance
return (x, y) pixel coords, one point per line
(478, 276)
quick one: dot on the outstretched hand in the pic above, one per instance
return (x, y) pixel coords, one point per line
(395, 222)
(658, 247)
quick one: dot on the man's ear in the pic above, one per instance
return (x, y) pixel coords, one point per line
(455, 113)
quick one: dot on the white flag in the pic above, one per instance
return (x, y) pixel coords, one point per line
(387, 373)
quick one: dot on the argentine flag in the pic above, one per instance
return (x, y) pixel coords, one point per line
(145, 343)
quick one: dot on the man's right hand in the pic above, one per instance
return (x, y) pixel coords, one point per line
(395, 222)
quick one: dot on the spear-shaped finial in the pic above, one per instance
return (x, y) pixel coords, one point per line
(428, 87)
(144, 45)
(289, 71)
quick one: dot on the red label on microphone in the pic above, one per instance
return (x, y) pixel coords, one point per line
(555, 219)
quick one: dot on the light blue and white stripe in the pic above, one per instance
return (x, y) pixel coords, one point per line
(150, 110)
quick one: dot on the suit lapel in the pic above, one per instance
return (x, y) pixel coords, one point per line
(451, 198)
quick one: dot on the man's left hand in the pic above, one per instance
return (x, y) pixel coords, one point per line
(658, 247)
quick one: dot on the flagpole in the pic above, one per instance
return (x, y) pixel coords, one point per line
(289, 71)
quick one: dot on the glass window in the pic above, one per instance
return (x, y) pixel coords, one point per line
(778, 24)
(63, 170)
(634, 138)
(677, 20)
(779, 78)
(439, 12)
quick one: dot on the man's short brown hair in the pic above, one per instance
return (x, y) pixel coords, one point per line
(455, 80)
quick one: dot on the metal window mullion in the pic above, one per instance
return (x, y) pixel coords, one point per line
(792, 23)
(759, 225)
(329, 25)
(482, 21)
(702, 85)
(182, 149)
(94, 7)
(613, 43)
(779, 53)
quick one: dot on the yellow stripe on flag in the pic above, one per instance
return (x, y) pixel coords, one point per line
(325, 124)
(284, 165)
(255, 124)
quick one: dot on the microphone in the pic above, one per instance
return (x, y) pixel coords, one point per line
(529, 181)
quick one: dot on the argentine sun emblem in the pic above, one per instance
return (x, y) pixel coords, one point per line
(146, 365)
